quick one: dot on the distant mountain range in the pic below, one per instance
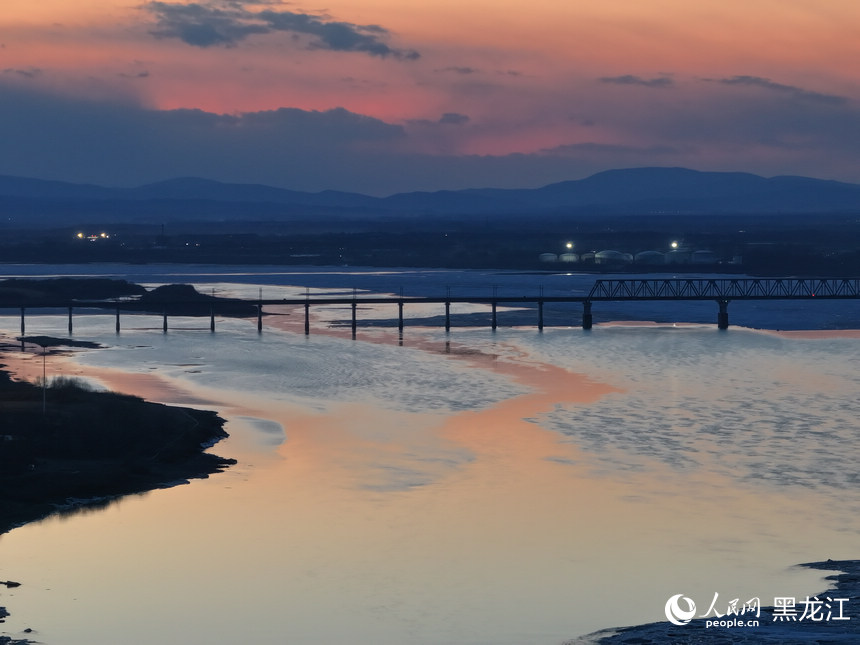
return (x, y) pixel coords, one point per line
(618, 192)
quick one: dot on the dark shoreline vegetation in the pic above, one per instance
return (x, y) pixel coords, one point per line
(62, 441)
(67, 448)
(89, 445)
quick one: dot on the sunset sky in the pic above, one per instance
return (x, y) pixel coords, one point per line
(378, 97)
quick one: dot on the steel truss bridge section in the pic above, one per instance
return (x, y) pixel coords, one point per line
(724, 289)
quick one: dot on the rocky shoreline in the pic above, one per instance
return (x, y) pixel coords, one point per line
(8, 640)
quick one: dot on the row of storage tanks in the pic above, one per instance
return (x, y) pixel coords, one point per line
(677, 256)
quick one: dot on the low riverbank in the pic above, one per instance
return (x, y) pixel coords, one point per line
(67, 447)
(85, 445)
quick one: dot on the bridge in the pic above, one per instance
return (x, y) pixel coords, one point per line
(720, 290)
(724, 288)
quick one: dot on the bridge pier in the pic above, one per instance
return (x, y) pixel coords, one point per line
(70, 321)
(447, 316)
(586, 314)
(23, 326)
(164, 324)
(723, 315)
(307, 318)
(260, 318)
(212, 319)
(354, 320)
(494, 315)
(400, 316)
(117, 319)
(540, 315)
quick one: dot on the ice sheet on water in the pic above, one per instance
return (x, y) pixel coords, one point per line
(314, 371)
(748, 405)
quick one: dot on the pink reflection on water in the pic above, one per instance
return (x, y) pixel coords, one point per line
(377, 526)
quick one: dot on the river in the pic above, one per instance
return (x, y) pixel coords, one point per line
(504, 488)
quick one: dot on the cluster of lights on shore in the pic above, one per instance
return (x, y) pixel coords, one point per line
(569, 245)
(93, 237)
(677, 253)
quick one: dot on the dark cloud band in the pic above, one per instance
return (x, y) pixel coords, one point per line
(227, 22)
(120, 142)
(28, 72)
(797, 92)
(630, 79)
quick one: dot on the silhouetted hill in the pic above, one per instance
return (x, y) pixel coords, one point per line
(619, 192)
(193, 188)
(50, 190)
(662, 190)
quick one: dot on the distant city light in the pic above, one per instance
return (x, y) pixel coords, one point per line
(93, 237)
(569, 245)
(674, 245)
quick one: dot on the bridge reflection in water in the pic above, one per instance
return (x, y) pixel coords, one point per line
(720, 290)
